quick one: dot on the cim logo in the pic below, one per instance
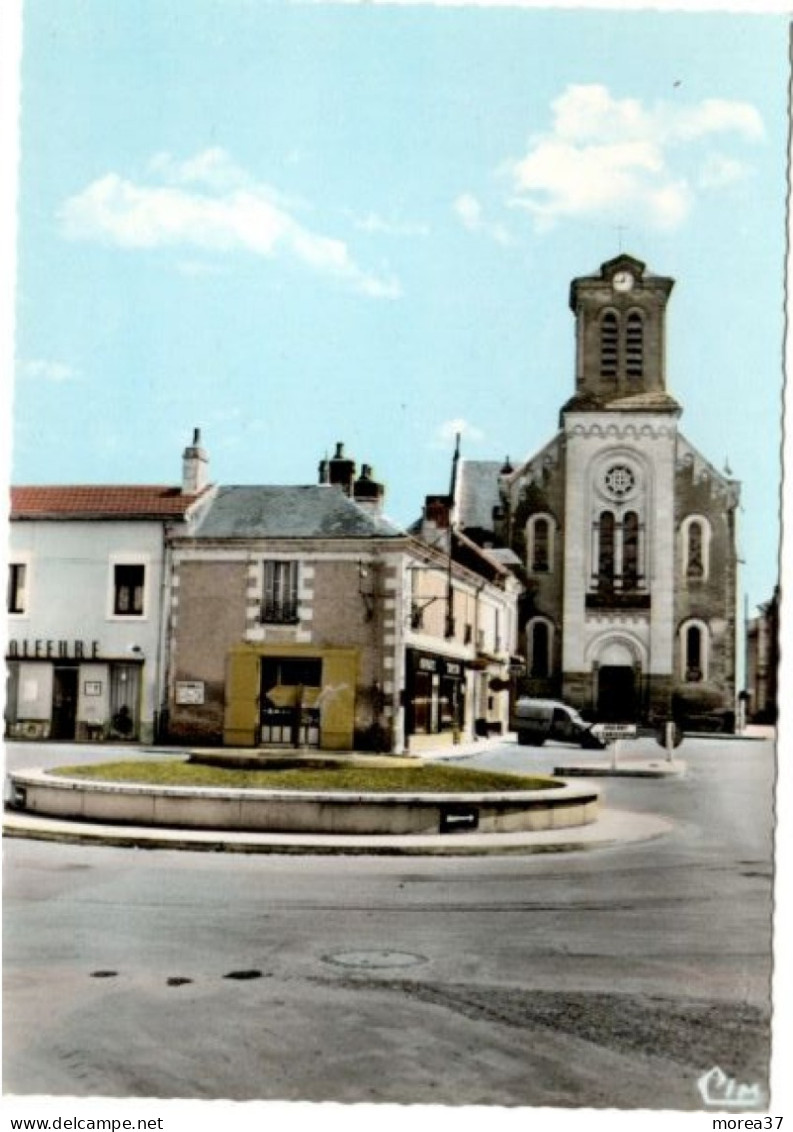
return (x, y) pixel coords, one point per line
(720, 1091)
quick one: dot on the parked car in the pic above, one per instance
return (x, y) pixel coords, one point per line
(538, 720)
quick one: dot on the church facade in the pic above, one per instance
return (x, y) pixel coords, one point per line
(624, 532)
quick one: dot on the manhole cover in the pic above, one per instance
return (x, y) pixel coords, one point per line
(372, 960)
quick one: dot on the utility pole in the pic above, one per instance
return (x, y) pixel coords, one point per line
(449, 586)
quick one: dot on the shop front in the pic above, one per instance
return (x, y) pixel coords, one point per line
(434, 698)
(67, 690)
(290, 696)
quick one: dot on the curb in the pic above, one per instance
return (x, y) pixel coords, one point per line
(613, 828)
(626, 769)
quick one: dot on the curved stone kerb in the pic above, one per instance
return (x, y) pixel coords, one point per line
(298, 811)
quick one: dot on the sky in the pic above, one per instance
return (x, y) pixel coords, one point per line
(292, 225)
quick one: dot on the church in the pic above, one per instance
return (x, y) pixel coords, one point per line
(623, 533)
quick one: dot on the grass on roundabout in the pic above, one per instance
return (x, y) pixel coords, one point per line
(429, 778)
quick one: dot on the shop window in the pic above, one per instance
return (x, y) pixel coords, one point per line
(280, 592)
(128, 583)
(124, 700)
(17, 581)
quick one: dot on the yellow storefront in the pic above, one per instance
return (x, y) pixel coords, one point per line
(290, 695)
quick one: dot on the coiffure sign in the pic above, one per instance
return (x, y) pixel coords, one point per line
(53, 650)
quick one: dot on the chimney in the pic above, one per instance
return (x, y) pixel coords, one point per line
(437, 509)
(341, 470)
(436, 521)
(195, 466)
(367, 492)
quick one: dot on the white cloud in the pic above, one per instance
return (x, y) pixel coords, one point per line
(468, 210)
(610, 157)
(232, 214)
(41, 369)
(448, 432)
(212, 167)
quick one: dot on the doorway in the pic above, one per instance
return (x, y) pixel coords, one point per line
(617, 699)
(64, 703)
(290, 697)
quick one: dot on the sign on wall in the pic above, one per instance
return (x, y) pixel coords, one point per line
(190, 692)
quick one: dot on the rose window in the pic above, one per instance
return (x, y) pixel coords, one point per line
(619, 481)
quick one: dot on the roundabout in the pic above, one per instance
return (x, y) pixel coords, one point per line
(158, 804)
(352, 798)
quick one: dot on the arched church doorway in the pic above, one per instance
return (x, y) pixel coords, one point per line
(617, 684)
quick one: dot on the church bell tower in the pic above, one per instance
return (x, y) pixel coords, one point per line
(620, 338)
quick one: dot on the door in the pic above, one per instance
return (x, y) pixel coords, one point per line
(617, 693)
(290, 691)
(64, 702)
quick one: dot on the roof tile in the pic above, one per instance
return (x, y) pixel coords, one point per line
(99, 501)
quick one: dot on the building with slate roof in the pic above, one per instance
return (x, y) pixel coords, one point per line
(302, 617)
(248, 615)
(87, 597)
(625, 531)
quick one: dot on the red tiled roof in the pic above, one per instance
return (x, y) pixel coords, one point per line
(99, 502)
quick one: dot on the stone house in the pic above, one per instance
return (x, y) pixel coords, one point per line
(302, 617)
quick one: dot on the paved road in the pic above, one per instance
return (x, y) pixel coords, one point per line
(609, 978)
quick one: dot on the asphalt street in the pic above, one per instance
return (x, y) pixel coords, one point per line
(609, 978)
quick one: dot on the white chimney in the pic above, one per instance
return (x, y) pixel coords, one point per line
(195, 466)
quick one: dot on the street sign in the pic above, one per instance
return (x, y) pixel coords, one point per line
(611, 732)
(457, 819)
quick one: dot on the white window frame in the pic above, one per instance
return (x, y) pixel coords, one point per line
(120, 558)
(530, 645)
(295, 565)
(695, 623)
(685, 535)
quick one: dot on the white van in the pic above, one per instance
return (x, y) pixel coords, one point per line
(538, 720)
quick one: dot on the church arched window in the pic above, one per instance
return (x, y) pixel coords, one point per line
(694, 651)
(695, 548)
(609, 344)
(540, 531)
(630, 549)
(540, 641)
(606, 548)
(634, 345)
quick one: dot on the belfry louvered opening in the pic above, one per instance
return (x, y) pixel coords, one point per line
(609, 344)
(634, 345)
